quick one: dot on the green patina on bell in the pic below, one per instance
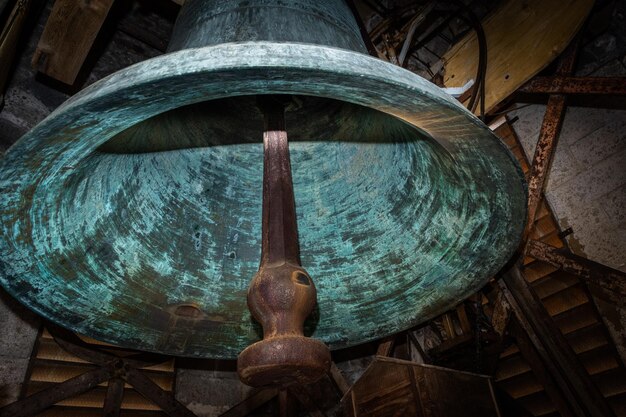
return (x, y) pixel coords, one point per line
(133, 212)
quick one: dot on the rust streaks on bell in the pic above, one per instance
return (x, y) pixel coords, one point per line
(281, 295)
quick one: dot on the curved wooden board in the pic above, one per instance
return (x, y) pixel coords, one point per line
(523, 37)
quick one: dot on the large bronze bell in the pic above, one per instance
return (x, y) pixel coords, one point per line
(133, 213)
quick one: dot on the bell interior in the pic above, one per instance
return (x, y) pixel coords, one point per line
(171, 208)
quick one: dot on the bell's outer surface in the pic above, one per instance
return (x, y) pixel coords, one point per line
(133, 214)
(213, 22)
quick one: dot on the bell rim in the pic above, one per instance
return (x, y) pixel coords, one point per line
(280, 57)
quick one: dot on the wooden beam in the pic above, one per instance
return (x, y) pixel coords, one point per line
(41, 400)
(512, 30)
(386, 346)
(530, 355)
(575, 85)
(251, 403)
(68, 36)
(369, 45)
(165, 400)
(303, 396)
(337, 377)
(114, 396)
(556, 354)
(9, 38)
(610, 282)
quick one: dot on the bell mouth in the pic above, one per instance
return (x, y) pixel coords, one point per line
(105, 228)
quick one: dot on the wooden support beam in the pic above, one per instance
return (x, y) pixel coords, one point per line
(556, 354)
(165, 400)
(251, 403)
(337, 377)
(369, 45)
(548, 137)
(386, 346)
(530, 355)
(303, 396)
(113, 400)
(41, 400)
(610, 282)
(68, 36)
(9, 37)
(575, 85)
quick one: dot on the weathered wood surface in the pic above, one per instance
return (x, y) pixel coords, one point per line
(393, 387)
(251, 403)
(529, 352)
(68, 36)
(8, 39)
(523, 37)
(557, 355)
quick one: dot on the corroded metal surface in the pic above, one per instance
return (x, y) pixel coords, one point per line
(213, 22)
(133, 213)
(282, 294)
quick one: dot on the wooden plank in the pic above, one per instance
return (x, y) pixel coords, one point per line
(68, 36)
(544, 27)
(556, 354)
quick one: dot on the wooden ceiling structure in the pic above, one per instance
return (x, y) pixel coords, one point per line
(535, 329)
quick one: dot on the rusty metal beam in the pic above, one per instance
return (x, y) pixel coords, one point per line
(41, 400)
(548, 137)
(575, 85)
(555, 352)
(610, 282)
(544, 152)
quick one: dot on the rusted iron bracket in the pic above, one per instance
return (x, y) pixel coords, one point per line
(610, 282)
(110, 368)
(556, 354)
(575, 85)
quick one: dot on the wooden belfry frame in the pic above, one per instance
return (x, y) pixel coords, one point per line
(109, 367)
